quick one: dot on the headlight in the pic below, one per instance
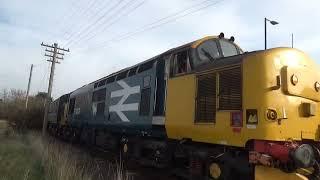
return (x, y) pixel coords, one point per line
(304, 156)
(317, 86)
(272, 114)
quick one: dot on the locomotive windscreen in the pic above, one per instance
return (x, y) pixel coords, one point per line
(210, 50)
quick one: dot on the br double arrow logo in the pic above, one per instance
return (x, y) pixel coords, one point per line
(120, 107)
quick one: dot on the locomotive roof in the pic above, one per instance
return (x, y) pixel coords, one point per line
(191, 44)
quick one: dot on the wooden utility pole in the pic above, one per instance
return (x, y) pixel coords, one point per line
(291, 40)
(55, 51)
(29, 83)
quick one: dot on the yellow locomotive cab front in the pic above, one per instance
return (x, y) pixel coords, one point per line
(281, 84)
(265, 103)
(264, 173)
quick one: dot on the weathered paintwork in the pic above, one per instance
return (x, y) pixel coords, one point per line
(266, 84)
(123, 99)
(81, 114)
(260, 92)
(122, 105)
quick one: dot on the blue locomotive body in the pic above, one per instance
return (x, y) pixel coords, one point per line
(128, 102)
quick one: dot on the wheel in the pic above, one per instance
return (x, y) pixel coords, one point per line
(217, 169)
(214, 170)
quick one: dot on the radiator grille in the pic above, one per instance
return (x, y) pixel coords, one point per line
(206, 98)
(230, 89)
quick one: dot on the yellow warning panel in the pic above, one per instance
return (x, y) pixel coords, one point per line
(266, 173)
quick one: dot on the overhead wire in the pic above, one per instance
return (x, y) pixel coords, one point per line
(90, 25)
(113, 20)
(83, 13)
(68, 14)
(169, 18)
(162, 21)
(96, 12)
(166, 22)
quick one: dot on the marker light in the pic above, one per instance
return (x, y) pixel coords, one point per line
(294, 79)
(317, 86)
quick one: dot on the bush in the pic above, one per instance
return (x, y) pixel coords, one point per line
(12, 108)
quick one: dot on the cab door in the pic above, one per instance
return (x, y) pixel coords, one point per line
(180, 96)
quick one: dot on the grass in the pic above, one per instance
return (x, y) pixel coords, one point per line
(17, 161)
(30, 157)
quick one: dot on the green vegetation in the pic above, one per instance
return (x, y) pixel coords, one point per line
(29, 157)
(12, 108)
(17, 161)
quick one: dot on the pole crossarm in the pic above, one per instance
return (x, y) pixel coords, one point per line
(51, 51)
(46, 45)
(54, 50)
(52, 61)
(48, 55)
(61, 49)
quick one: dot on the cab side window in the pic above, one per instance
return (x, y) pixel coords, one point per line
(180, 63)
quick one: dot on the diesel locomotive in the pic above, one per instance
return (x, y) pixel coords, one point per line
(206, 109)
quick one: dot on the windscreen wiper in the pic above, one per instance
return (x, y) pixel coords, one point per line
(207, 54)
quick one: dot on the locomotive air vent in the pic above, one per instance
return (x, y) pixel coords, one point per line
(206, 98)
(230, 86)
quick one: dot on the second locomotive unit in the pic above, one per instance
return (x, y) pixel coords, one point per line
(206, 108)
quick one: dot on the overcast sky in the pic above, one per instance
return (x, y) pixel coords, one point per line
(108, 35)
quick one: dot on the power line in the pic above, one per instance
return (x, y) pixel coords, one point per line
(169, 19)
(95, 13)
(89, 26)
(87, 36)
(160, 22)
(83, 12)
(69, 13)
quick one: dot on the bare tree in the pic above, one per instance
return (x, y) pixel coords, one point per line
(4, 95)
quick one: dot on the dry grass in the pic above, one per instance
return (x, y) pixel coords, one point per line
(58, 161)
(28, 157)
(17, 161)
(65, 162)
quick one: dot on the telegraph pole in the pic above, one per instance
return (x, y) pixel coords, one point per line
(55, 51)
(29, 83)
(291, 40)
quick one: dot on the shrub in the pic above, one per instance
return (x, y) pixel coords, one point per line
(12, 108)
